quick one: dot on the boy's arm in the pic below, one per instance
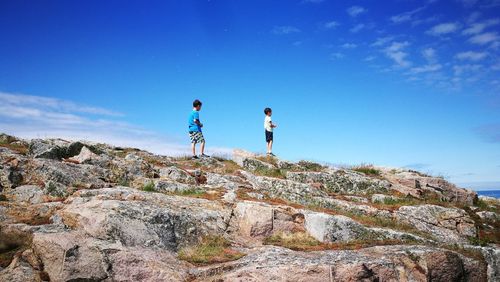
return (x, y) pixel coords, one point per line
(197, 120)
(272, 124)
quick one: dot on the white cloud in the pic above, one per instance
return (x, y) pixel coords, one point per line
(357, 28)
(484, 38)
(381, 41)
(469, 3)
(286, 29)
(471, 56)
(336, 56)
(331, 25)
(42, 117)
(53, 103)
(429, 54)
(348, 45)
(355, 11)
(426, 68)
(467, 68)
(406, 16)
(396, 52)
(443, 29)
(427, 20)
(369, 58)
(479, 27)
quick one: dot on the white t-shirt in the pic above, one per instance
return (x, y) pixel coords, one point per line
(267, 124)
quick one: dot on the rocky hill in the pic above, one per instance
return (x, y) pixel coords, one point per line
(79, 211)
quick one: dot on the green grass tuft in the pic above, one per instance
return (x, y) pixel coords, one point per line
(367, 169)
(211, 249)
(149, 187)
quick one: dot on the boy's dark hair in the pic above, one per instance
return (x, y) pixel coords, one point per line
(196, 103)
(267, 110)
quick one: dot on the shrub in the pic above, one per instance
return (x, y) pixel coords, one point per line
(211, 249)
(311, 166)
(149, 187)
(367, 169)
(270, 172)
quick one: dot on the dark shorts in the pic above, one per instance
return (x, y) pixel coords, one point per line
(269, 136)
(196, 137)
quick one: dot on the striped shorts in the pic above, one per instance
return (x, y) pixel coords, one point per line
(196, 137)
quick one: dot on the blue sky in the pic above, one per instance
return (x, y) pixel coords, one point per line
(393, 83)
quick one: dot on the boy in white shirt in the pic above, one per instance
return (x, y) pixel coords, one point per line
(269, 126)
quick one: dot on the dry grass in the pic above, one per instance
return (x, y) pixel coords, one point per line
(367, 169)
(215, 194)
(271, 172)
(230, 167)
(301, 241)
(268, 159)
(21, 149)
(211, 249)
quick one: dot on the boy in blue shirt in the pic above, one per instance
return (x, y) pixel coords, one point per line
(195, 130)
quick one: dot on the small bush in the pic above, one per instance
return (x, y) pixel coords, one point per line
(311, 166)
(124, 182)
(211, 249)
(367, 169)
(299, 241)
(3, 198)
(149, 187)
(483, 242)
(271, 172)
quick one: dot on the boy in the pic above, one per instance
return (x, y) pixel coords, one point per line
(195, 130)
(269, 126)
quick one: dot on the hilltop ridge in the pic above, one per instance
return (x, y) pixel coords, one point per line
(76, 210)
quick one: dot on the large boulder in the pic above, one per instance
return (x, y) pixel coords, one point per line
(177, 174)
(56, 149)
(341, 181)
(259, 220)
(289, 190)
(451, 225)
(30, 194)
(428, 184)
(85, 156)
(338, 228)
(143, 218)
(381, 263)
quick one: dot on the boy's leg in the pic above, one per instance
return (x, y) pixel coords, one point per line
(270, 150)
(193, 148)
(202, 147)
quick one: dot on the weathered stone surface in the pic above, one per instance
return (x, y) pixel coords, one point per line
(338, 228)
(177, 174)
(26, 194)
(285, 189)
(335, 228)
(85, 156)
(382, 263)
(140, 264)
(446, 224)
(381, 198)
(19, 271)
(424, 184)
(341, 181)
(69, 227)
(56, 149)
(156, 220)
